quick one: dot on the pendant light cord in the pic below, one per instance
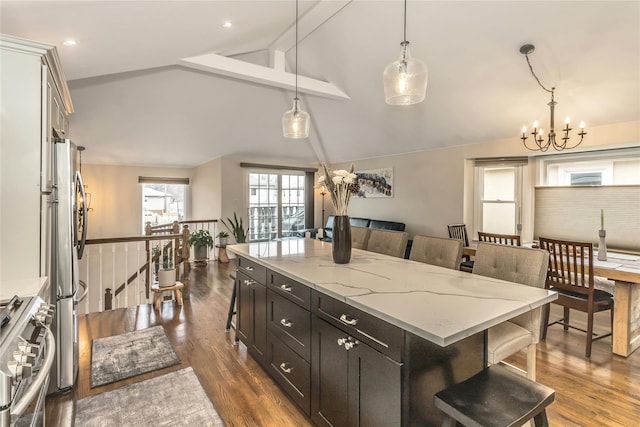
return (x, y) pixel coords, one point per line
(297, 49)
(405, 21)
(536, 77)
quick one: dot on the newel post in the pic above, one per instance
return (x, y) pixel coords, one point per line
(147, 229)
(186, 248)
(108, 299)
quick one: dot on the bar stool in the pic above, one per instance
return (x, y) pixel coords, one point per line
(232, 308)
(495, 397)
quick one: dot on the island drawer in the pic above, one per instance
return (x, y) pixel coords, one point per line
(382, 336)
(291, 323)
(292, 372)
(290, 289)
(252, 269)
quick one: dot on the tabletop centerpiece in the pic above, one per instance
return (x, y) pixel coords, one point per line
(341, 184)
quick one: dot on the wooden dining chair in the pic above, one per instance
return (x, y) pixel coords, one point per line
(388, 242)
(436, 251)
(520, 265)
(360, 237)
(501, 239)
(571, 275)
(459, 231)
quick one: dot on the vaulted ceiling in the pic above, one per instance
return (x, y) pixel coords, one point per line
(137, 103)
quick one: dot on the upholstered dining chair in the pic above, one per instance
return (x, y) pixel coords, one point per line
(520, 265)
(459, 231)
(571, 275)
(501, 239)
(437, 251)
(360, 237)
(388, 242)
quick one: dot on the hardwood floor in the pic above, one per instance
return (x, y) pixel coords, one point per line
(604, 391)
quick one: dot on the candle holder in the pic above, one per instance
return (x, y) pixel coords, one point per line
(602, 246)
(519, 229)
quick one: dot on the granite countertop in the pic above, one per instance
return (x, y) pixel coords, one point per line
(435, 303)
(22, 287)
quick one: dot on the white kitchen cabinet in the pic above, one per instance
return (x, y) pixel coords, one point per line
(32, 83)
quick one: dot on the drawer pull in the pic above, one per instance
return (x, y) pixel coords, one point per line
(284, 366)
(351, 321)
(286, 323)
(342, 341)
(248, 268)
(286, 288)
(248, 282)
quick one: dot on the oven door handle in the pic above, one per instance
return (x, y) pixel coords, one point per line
(43, 375)
(84, 294)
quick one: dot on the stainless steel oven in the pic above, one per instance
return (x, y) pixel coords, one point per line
(27, 350)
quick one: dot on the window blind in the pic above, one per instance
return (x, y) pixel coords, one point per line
(573, 213)
(162, 180)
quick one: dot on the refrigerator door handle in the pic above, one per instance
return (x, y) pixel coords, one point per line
(84, 294)
(85, 212)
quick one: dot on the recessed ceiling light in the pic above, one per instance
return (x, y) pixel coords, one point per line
(70, 42)
(227, 24)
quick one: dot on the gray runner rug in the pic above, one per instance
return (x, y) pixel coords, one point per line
(127, 355)
(174, 399)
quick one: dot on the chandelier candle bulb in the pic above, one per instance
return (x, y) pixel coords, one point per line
(601, 219)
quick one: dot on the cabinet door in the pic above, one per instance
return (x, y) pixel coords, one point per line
(330, 368)
(244, 317)
(375, 388)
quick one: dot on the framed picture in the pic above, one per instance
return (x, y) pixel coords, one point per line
(375, 183)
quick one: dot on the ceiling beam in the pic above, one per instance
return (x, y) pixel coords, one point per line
(276, 76)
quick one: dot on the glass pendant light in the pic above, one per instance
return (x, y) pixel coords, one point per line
(405, 80)
(295, 122)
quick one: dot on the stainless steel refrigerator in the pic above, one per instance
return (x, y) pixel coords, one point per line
(69, 226)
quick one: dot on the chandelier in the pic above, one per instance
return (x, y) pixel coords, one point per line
(538, 133)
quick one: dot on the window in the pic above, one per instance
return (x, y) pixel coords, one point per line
(498, 206)
(276, 204)
(163, 201)
(611, 167)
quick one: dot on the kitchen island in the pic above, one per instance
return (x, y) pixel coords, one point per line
(366, 343)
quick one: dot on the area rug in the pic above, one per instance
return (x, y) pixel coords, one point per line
(127, 355)
(174, 399)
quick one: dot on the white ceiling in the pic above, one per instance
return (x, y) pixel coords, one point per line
(135, 105)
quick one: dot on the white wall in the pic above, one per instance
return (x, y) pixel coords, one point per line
(116, 197)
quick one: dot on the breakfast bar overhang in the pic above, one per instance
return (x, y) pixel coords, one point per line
(426, 324)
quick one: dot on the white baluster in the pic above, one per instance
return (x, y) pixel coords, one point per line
(126, 274)
(113, 275)
(100, 287)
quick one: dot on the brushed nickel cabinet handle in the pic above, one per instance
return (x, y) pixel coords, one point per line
(286, 323)
(351, 321)
(284, 366)
(248, 268)
(286, 288)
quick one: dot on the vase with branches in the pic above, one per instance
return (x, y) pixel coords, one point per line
(341, 185)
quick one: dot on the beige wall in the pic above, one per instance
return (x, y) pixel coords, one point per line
(206, 190)
(435, 188)
(116, 197)
(431, 188)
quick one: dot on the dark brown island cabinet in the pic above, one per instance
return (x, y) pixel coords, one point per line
(340, 365)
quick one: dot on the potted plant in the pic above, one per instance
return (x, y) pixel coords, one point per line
(236, 228)
(201, 240)
(167, 274)
(222, 238)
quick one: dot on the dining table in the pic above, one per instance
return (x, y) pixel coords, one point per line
(624, 270)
